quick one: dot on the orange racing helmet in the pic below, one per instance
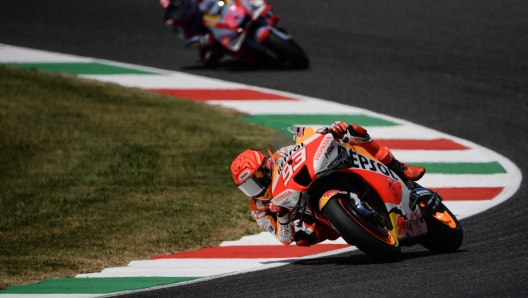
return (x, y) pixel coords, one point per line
(251, 173)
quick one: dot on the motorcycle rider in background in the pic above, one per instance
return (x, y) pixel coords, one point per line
(186, 18)
(251, 171)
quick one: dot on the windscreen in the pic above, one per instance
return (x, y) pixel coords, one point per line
(283, 138)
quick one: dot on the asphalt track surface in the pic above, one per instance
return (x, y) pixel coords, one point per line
(460, 67)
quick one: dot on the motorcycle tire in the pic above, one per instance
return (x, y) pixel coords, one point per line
(370, 237)
(442, 236)
(287, 50)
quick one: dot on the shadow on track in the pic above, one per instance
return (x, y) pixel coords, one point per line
(235, 65)
(358, 259)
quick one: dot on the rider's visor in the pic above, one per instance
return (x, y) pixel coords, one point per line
(253, 186)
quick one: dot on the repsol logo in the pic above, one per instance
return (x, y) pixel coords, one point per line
(360, 161)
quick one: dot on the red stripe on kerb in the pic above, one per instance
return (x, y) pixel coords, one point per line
(468, 193)
(254, 252)
(223, 94)
(435, 144)
(293, 251)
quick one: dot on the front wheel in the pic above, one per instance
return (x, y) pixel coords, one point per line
(444, 232)
(370, 236)
(287, 50)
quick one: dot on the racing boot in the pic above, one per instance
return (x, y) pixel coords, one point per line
(405, 171)
(413, 173)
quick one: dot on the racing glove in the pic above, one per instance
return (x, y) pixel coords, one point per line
(349, 133)
(341, 131)
(283, 216)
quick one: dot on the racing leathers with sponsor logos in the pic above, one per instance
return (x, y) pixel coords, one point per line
(251, 171)
(276, 220)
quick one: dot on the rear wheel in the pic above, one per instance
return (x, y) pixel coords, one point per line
(287, 50)
(369, 235)
(444, 232)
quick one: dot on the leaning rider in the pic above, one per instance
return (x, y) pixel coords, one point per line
(185, 17)
(275, 219)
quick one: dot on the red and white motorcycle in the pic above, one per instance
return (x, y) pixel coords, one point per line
(246, 29)
(343, 188)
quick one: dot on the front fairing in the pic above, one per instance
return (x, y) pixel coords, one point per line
(302, 156)
(387, 184)
(298, 160)
(310, 155)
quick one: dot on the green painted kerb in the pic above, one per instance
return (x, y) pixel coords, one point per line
(88, 68)
(93, 285)
(288, 120)
(483, 168)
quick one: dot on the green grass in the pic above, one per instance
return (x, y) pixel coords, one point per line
(94, 175)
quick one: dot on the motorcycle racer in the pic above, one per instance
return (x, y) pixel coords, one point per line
(251, 171)
(185, 17)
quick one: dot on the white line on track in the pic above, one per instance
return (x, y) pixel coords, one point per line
(169, 81)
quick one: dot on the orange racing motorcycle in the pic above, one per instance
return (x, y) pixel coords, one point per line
(343, 188)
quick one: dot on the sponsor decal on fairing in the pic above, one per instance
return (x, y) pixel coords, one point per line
(322, 147)
(286, 153)
(293, 164)
(278, 198)
(329, 150)
(287, 198)
(361, 162)
(414, 225)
